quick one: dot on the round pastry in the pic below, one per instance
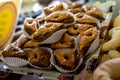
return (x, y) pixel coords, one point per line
(83, 18)
(38, 56)
(66, 58)
(30, 25)
(94, 11)
(109, 70)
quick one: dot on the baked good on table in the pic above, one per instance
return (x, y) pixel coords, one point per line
(73, 29)
(84, 18)
(56, 6)
(114, 42)
(38, 56)
(13, 51)
(65, 42)
(108, 70)
(76, 5)
(31, 44)
(46, 31)
(30, 25)
(21, 41)
(94, 11)
(60, 16)
(87, 37)
(67, 59)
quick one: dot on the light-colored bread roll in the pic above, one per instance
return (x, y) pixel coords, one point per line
(109, 70)
(114, 54)
(114, 42)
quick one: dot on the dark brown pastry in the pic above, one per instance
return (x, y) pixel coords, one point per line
(12, 51)
(22, 40)
(39, 57)
(66, 59)
(30, 25)
(60, 16)
(31, 44)
(65, 42)
(85, 19)
(56, 6)
(48, 29)
(94, 11)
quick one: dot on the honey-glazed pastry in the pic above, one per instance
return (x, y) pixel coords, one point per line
(66, 59)
(60, 16)
(76, 5)
(94, 11)
(83, 27)
(56, 6)
(22, 40)
(73, 29)
(13, 51)
(30, 25)
(75, 10)
(87, 37)
(31, 44)
(65, 42)
(48, 29)
(83, 18)
(38, 56)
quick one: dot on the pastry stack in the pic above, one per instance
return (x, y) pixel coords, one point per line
(61, 38)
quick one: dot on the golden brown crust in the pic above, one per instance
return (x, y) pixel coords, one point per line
(85, 19)
(75, 10)
(56, 6)
(31, 44)
(94, 11)
(66, 59)
(76, 5)
(65, 42)
(60, 16)
(48, 29)
(73, 29)
(87, 37)
(38, 57)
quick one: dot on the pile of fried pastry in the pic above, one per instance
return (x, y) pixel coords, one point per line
(78, 19)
